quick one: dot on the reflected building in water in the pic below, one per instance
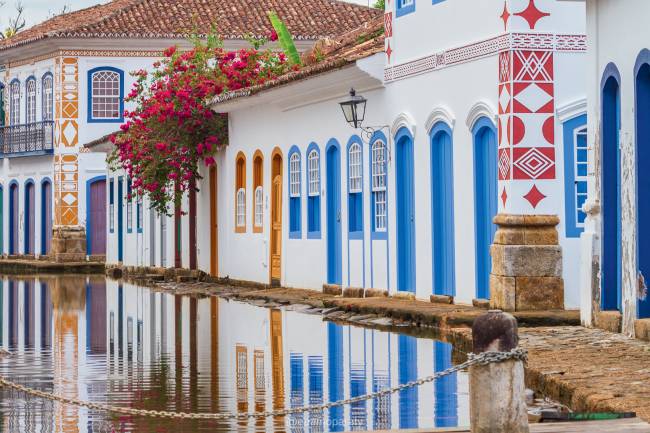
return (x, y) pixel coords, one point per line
(116, 343)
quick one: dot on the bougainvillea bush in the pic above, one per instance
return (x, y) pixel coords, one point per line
(171, 130)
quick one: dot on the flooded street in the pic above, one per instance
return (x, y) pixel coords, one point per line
(112, 342)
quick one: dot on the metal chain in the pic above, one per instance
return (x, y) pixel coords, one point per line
(480, 359)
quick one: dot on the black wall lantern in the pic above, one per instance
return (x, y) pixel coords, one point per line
(354, 109)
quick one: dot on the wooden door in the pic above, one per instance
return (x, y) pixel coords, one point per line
(276, 230)
(46, 225)
(97, 218)
(13, 219)
(30, 218)
(214, 236)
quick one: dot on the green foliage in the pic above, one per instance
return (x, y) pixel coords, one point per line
(380, 4)
(285, 39)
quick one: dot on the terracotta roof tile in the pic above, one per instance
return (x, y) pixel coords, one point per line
(306, 19)
(327, 55)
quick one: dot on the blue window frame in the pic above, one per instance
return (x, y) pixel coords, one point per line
(138, 212)
(355, 188)
(379, 186)
(295, 193)
(435, 2)
(575, 173)
(404, 7)
(105, 95)
(111, 205)
(313, 192)
(129, 206)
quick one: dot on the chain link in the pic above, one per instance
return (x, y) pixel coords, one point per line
(480, 359)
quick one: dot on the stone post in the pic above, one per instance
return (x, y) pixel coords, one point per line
(497, 391)
(526, 264)
(68, 244)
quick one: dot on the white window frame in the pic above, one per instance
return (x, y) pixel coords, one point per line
(30, 100)
(577, 178)
(105, 95)
(294, 175)
(355, 173)
(313, 163)
(259, 206)
(379, 179)
(47, 108)
(241, 208)
(14, 103)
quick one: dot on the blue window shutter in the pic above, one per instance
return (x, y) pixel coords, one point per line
(575, 172)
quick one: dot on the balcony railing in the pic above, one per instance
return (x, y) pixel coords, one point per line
(31, 138)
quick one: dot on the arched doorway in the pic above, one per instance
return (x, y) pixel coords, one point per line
(611, 197)
(96, 216)
(46, 217)
(30, 217)
(276, 218)
(442, 210)
(643, 176)
(485, 200)
(405, 189)
(13, 218)
(333, 196)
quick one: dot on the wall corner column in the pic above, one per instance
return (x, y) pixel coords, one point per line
(69, 236)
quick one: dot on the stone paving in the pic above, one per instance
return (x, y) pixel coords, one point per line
(589, 369)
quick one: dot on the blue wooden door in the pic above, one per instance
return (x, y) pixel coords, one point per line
(13, 219)
(485, 206)
(120, 220)
(643, 178)
(30, 218)
(46, 223)
(334, 253)
(442, 211)
(405, 212)
(611, 187)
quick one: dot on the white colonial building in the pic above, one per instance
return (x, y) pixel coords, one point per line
(476, 109)
(616, 241)
(63, 83)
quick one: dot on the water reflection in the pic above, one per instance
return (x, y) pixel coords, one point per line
(128, 346)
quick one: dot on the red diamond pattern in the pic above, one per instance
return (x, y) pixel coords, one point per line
(388, 24)
(504, 197)
(504, 163)
(505, 16)
(534, 196)
(531, 14)
(534, 163)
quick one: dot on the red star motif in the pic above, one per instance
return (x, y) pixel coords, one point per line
(389, 51)
(534, 196)
(505, 16)
(504, 197)
(532, 14)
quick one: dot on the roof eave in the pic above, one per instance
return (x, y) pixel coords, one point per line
(362, 74)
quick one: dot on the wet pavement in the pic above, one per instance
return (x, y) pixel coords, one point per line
(111, 342)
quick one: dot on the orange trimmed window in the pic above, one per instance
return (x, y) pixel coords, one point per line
(258, 192)
(240, 193)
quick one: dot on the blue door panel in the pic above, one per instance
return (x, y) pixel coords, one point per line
(334, 248)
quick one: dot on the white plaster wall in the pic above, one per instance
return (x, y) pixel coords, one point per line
(433, 27)
(457, 89)
(608, 44)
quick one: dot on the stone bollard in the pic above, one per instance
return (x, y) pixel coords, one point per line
(497, 391)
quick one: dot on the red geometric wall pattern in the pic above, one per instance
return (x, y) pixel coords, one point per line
(526, 117)
(388, 30)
